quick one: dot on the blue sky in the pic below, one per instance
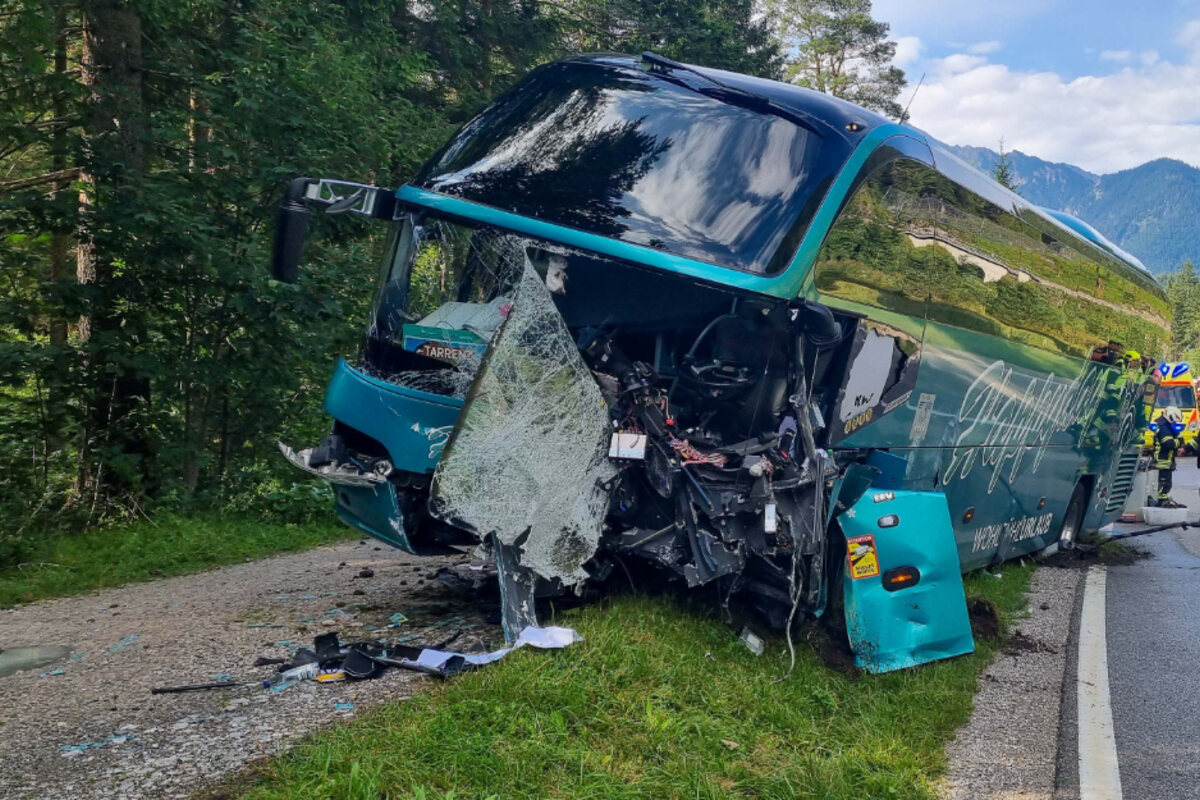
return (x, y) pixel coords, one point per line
(1104, 84)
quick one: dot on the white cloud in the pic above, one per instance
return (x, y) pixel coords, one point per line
(908, 51)
(1103, 123)
(1189, 37)
(959, 62)
(1117, 55)
(983, 48)
(1149, 57)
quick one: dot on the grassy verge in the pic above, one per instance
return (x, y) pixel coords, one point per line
(138, 551)
(658, 701)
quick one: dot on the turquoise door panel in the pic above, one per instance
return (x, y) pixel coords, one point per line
(374, 510)
(412, 425)
(925, 621)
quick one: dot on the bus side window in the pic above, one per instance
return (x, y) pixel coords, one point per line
(872, 259)
(1010, 276)
(871, 255)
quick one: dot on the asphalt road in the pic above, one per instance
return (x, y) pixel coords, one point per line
(1153, 648)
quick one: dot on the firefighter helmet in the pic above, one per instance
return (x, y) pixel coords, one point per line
(1173, 415)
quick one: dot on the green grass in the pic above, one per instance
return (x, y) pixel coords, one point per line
(63, 564)
(658, 701)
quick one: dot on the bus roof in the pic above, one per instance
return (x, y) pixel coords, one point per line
(1087, 231)
(841, 113)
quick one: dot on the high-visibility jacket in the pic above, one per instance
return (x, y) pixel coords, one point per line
(1165, 446)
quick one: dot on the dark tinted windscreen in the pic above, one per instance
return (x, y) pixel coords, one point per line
(634, 157)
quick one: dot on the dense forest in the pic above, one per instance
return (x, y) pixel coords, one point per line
(146, 358)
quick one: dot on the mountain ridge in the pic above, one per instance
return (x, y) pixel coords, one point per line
(1152, 210)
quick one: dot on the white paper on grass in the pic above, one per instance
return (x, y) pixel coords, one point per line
(548, 638)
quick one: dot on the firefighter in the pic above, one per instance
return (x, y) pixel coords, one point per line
(1167, 442)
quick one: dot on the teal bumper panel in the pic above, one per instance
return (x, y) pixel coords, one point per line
(925, 621)
(411, 425)
(374, 510)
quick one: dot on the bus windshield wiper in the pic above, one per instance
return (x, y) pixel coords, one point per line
(719, 90)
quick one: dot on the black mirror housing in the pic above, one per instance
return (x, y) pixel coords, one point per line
(290, 232)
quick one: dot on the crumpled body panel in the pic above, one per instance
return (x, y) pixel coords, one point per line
(922, 620)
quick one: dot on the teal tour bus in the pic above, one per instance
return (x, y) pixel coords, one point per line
(736, 334)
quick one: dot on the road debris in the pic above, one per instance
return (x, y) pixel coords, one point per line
(754, 643)
(329, 661)
(16, 659)
(197, 687)
(118, 738)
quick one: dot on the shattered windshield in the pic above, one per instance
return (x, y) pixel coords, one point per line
(630, 156)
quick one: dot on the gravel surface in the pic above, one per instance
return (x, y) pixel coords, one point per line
(1008, 749)
(88, 727)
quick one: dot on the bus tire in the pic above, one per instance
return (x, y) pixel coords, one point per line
(1072, 522)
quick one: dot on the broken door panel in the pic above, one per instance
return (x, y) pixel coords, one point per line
(409, 425)
(903, 587)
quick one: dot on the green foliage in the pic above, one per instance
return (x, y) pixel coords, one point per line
(656, 701)
(146, 359)
(1183, 292)
(869, 258)
(837, 47)
(726, 34)
(1003, 171)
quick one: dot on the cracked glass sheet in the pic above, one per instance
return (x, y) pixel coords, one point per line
(528, 459)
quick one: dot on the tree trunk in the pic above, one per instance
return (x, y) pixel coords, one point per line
(114, 156)
(60, 244)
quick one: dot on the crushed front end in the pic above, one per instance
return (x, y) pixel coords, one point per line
(585, 354)
(579, 409)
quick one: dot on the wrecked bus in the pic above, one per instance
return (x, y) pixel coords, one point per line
(746, 335)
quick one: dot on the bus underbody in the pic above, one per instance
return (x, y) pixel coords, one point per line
(578, 415)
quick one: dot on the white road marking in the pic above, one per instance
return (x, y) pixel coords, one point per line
(1099, 775)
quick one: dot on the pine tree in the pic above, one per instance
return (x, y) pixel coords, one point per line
(723, 34)
(836, 47)
(1183, 293)
(1003, 171)
(145, 355)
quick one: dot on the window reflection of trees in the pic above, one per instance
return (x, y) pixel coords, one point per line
(581, 171)
(910, 238)
(656, 165)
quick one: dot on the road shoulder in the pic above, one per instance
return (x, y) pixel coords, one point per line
(1009, 748)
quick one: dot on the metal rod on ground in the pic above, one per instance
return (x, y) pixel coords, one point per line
(196, 687)
(1156, 529)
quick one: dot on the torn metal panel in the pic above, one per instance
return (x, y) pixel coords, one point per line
(880, 376)
(518, 593)
(337, 473)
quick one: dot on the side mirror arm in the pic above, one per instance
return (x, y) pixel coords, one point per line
(336, 197)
